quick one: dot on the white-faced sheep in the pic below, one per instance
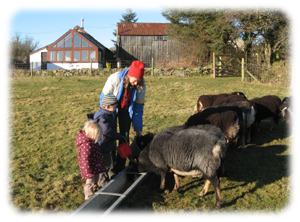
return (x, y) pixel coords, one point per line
(288, 108)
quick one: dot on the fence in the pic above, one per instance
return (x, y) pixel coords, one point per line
(276, 75)
(218, 66)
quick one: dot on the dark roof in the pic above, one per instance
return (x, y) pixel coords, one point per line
(141, 28)
(89, 37)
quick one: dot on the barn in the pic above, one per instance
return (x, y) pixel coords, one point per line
(76, 49)
(144, 41)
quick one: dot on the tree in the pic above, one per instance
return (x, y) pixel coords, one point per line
(199, 32)
(267, 29)
(128, 17)
(21, 48)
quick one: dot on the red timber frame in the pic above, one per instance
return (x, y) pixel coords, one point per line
(90, 47)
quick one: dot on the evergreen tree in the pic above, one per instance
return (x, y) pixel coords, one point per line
(199, 32)
(128, 17)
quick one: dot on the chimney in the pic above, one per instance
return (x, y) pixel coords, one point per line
(82, 23)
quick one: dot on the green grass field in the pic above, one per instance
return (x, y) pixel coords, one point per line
(47, 112)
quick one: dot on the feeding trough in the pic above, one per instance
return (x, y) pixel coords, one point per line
(112, 194)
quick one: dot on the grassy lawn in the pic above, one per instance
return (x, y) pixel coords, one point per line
(47, 112)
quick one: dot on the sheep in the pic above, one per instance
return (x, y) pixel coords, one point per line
(187, 152)
(206, 101)
(230, 119)
(241, 102)
(288, 108)
(206, 127)
(267, 107)
(229, 99)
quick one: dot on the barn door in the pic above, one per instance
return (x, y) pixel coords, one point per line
(159, 51)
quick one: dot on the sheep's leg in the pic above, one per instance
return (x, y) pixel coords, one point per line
(162, 181)
(248, 135)
(243, 140)
(258, 126)
(273, 124)
(176, 186)
(205, 188)
(216, 184)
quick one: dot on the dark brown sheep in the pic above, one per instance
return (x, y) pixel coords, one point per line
(206, 101)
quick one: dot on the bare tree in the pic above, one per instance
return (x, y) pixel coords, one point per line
(20, 48)
(268, 29)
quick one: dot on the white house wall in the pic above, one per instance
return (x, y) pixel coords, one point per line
(36, 59)
(52, 66)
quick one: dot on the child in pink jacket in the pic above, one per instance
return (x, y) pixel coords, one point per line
(90, 157)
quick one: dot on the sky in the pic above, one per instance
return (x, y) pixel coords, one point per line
(47, 22)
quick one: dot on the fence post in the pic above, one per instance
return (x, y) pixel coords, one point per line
(31, 69)
(91, 67)
(152, 67)
(214, 65)
(293, 76)
(243, 69)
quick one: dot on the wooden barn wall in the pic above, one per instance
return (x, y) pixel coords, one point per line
(144, 48)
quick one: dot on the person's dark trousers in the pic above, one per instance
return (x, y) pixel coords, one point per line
(124, 126)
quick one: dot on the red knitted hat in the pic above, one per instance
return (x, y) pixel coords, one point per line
(136, 69)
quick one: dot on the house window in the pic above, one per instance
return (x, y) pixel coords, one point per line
(76, 56)
(84, 43)
(60, 56)
(76, 40)
(84, 55)
(60, 44)
(67, 56)
(93, 55)
(68, 40)
(52, 56)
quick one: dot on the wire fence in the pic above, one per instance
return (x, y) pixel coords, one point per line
(276, 74)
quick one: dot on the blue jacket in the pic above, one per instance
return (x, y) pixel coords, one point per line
(109, 134)
(114, 85)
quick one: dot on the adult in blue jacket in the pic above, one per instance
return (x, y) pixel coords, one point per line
(129, 87)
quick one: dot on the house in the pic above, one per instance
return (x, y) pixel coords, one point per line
(144, 41)
(76, 49)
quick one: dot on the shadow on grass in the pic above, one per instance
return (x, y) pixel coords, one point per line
(262, 165)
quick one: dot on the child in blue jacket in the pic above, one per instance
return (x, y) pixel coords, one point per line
(107, 120)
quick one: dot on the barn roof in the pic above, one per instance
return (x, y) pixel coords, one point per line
(142, 28)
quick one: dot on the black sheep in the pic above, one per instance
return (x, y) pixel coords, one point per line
(242, 103)
(267, 107)
(288, 108)
(230, 119)
(187, 152)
